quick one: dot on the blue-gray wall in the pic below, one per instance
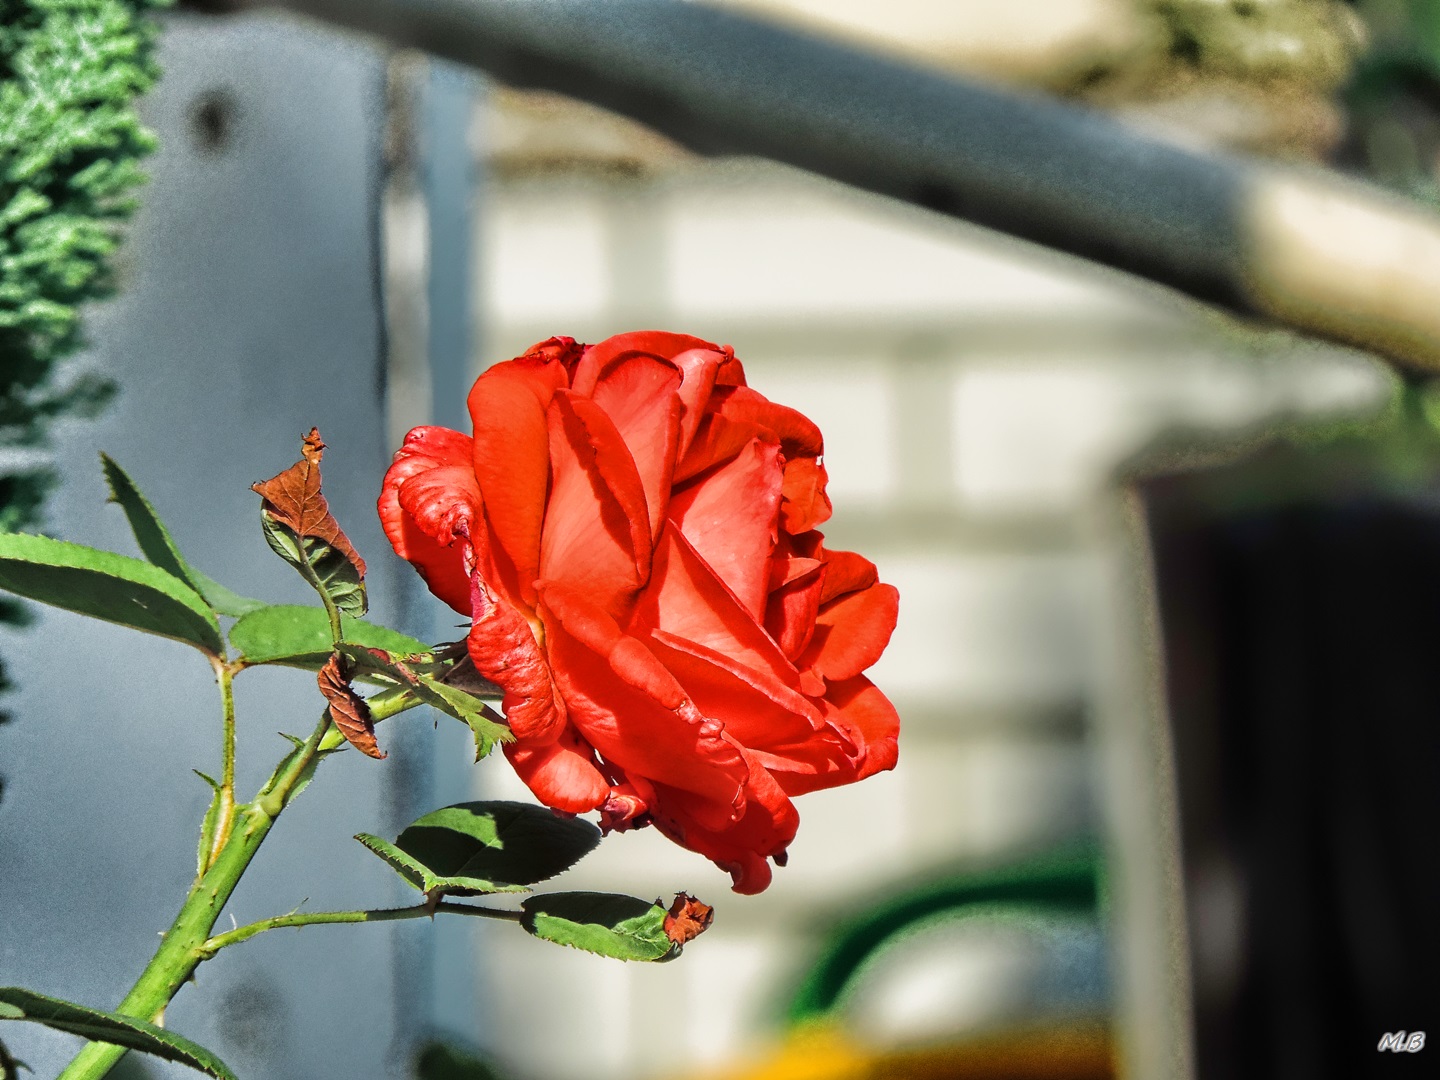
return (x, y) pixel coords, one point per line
(249, 310)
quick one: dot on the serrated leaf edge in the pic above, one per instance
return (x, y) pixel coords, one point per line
(162, 581)
(181, 1050)
(430, 883)
(532, 912)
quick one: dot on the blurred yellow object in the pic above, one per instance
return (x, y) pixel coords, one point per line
(822, 1051)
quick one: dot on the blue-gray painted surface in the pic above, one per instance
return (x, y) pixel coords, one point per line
(248, 312)
(448, 178)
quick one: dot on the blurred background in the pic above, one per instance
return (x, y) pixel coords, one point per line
(1168, 769)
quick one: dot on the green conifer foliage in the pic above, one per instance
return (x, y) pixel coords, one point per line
(70, 148)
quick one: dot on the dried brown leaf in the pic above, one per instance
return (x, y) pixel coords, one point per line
(687, 918)
(293, 498)
(347, 708)
(312, 447)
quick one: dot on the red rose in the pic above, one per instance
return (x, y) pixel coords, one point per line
(632, 532)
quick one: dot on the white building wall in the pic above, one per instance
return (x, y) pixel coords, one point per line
(975, 394)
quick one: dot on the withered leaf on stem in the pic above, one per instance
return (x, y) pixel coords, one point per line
(687, 918)
(293, 498)
(347, 708)
(419, 675)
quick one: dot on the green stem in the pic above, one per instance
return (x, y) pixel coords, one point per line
(227, 708)
(225, 820)
(183, 947)
(316, 918)
(278, 790)
(308, 572)
(179, 953)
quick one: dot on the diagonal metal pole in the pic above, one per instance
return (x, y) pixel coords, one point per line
(1334, 258)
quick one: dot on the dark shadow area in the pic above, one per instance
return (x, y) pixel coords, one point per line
(1300, 611)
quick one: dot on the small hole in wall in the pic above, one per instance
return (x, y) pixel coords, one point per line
(212, 120)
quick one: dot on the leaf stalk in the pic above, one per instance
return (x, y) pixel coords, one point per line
(225, 821)
(316, 918)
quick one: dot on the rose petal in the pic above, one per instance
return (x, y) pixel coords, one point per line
(859, 708)
(512, 456)
(732, 372)
(797, 433)
(437, 558)
(629, 657)
(444, 501)
(728, 515)
(756, 709)
(871, 726)
(791, 608)
(639, 395)
(767, 828)
(562, 774)
(627, 806)
(716, 440)
(566, 350)
(779, 728)
(610, 682)
(687, 599)
(657, 343)
(786, 568)
(806, 504)
(852, 632)
(597, 533)
(441, 568)
(846, 572)
(825, 760)
(504, 650)
(698, 368)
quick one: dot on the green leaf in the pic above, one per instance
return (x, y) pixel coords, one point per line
(486, 726)
(159, 546)
(107, 586)
(338, 576)
(610, 924)
(150, 532)
(306, 774)
(98, 1026)
(297, 636)
(207, 825)
(485, 847)
(223, 601)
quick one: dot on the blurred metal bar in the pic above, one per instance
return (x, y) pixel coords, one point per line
(1337, 259)
(449, 182)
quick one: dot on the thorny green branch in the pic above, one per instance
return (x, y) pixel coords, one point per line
(183, 946)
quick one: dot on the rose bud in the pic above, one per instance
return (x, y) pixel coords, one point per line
(631, 531)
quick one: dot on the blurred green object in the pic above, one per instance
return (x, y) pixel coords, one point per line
(446, 1061)
(70, 147)
(821, 1042)
(1067, 881)
(1425, 15)
(1394, 97)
